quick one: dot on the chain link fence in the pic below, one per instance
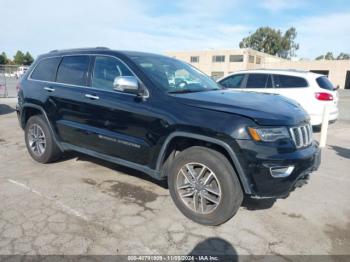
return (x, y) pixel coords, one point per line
(9, 77)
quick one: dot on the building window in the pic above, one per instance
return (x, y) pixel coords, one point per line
(258, 60)
(216, 75)
(218, 58)
(251, 59)
(194, 59)
(236, 58)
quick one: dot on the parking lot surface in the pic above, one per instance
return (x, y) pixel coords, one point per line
(80, 205)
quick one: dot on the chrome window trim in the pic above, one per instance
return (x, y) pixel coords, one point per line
(147, 95)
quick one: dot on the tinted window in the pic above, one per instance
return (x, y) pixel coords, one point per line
(106, 69)
(234, 81)
(73, 70)
(257, 80)
(46, 69)
(284, 81)
(324, 83)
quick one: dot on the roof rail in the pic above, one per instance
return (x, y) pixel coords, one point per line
(84, 48)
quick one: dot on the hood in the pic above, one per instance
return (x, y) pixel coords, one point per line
(263, 108)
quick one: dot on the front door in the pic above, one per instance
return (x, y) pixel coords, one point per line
(117, 123)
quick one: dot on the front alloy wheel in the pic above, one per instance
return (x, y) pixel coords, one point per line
(198, 188)
(204, 186)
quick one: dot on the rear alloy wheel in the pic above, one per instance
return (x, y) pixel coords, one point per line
(39, 140)
(36, 140)
(204, 185)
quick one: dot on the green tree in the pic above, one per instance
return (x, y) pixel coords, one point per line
(28, 59)
(18, 59)
(272, 41)
(321, 57)
(3, 59)
(329, 56)
(343, 56)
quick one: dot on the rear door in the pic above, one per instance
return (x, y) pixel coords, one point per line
(67, 102)
(40, 85)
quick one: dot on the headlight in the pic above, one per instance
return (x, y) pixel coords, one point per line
(268, 134)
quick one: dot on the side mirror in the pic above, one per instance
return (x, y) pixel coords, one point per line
(337, 87)
(127, 84)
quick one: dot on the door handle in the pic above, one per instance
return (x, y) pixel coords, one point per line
(49, 89)
(92, 97)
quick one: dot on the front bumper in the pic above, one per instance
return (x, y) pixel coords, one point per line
(258, 165)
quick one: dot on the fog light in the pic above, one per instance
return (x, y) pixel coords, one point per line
(281, 171)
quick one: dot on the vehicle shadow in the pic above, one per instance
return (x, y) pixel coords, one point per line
(258, 204)
(115, 167)
(6, 109)
(341, 151)
(215, 246)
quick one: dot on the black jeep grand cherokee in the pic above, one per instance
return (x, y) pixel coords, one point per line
(167, 119)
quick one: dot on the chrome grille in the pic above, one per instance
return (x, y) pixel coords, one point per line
(301, 135)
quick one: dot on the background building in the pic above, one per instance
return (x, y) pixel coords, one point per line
(219, 63)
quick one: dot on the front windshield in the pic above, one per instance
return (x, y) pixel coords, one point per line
(174, 76)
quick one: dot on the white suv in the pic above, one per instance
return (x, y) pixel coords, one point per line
(312, 91)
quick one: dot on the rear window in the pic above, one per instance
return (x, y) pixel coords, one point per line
(257, 80)
(46, 69)
(73, 70)
(285, 81)
(324, 83)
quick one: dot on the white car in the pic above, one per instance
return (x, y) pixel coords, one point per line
(312, 91)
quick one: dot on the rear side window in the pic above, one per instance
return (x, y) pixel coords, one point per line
(46, 69)
(257, 80)
(106, 69)
(324, 83)
(285, 81)
(234, 81)
(73, 70)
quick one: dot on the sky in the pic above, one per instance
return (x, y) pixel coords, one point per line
(157, 26)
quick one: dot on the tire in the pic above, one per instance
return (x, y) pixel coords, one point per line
(223, 181)
(48, 153)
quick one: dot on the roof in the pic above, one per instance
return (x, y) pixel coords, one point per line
(294, 72)
(105, 50)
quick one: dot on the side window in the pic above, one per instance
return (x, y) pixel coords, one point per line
(257, 80)
(73, 70)
(106, 69)
(46, 69)
(285, 81)
(234, 81)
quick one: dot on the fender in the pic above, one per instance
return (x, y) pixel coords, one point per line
(54, 135)
(232, 154)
